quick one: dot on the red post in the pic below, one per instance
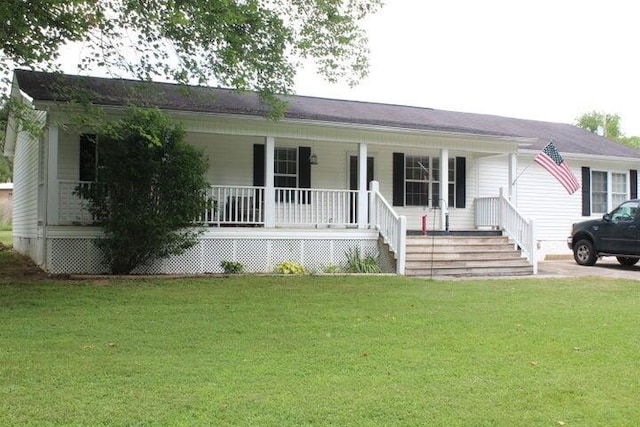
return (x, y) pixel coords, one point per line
(424, 224)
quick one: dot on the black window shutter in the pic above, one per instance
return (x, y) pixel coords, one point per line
(633, 184)
(586, 191)
(461, 182)
(398, 179)
(304, 172)
(258, 165)
(88, 157)
(304, 167)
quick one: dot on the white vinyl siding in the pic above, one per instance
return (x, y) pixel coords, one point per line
(28, 164)
(230, 160)
(25, 194)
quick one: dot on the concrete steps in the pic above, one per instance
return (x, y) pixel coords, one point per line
(464, 256)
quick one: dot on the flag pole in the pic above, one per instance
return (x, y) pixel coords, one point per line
(525, 169)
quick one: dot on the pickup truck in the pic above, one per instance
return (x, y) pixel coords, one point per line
(616, 234)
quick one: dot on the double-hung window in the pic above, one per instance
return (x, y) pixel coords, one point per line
(608, 190)
(417, 180)
(286, 167)
(422, 181)
(285, 173)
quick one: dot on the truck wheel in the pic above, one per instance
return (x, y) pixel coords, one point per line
(583, 253)
(626, 261)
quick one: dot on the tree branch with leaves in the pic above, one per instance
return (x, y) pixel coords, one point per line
(243, 44)
(607, 125)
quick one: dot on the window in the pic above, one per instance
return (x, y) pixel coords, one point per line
(285, 175)
(286, 167)
(625, 212)
(599, 192)
(422, 181)
(608, 190)
(618, 188)
(417, 180)
(88, 157)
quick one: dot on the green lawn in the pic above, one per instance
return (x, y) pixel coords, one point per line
(292, 351)
(6, 237)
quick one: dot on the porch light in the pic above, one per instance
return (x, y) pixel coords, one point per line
(313, 159)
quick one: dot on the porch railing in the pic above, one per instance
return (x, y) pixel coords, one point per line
(71, 208)
(242, 205)
(245, 205)
(392, 227)
(235, 205)
(297, 206)
(500, 212)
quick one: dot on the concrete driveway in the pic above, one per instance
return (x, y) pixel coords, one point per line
(605, 267)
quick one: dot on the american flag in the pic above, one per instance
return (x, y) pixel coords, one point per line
(550, 159)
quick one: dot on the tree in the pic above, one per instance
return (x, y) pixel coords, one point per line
(607, 125)
(6, 167)
(244, 44)
(595, 122)
(149, 187)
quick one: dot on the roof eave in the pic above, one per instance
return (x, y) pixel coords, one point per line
(582, 156)
(11, 133)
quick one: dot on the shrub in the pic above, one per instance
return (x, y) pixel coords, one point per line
(231, 267)
(150, 186)
(356, 263)
(289, 267)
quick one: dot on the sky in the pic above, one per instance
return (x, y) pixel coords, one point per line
(549, 60)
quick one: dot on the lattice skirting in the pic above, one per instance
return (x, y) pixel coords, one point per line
(257, 255)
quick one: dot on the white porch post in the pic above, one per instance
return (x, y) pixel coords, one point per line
(513, 176)
(52, 209)
(373, 212)
(444, 187)
(363, 211)
(269, 183)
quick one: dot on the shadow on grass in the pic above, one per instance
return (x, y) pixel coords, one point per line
(13, 265)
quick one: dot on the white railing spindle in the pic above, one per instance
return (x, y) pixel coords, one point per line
(500, 212)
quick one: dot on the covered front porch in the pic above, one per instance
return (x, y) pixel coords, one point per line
(316, 227)
(307, 184)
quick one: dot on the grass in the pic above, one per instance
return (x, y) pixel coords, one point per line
(6, 237)
(290, 351)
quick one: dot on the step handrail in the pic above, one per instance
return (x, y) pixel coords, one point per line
(520, 229)
(391, 226)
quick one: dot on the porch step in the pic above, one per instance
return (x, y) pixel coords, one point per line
(457, 256)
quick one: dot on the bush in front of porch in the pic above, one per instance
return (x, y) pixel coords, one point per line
(149, 187)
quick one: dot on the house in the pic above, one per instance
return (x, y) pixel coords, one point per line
(6, 201)
(330, 176)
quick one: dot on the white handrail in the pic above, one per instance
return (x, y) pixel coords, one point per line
(391, 226)
(500, 212)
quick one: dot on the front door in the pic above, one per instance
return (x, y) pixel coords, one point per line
(353, 183)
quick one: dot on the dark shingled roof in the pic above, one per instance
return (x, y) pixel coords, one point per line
(103, 91)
